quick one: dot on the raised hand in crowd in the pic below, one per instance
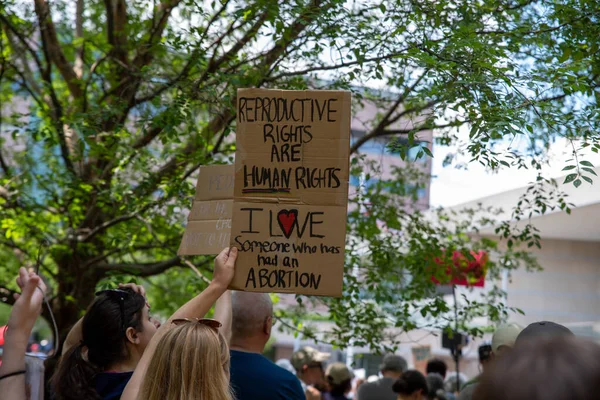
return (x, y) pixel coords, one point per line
(25, 311)
(206, 373)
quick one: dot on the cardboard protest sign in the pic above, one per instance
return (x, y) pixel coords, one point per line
(209, 223)
(291, 190)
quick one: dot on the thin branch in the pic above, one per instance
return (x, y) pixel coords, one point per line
(414, 110)
(216, 150)
(195, 268)
(22, 39)
(115, 221)
(320, 68)
(142, 269)
(214, 65)
(164, 10)
(112, 252)
(50, 38)
(26, 73)
(188, 66)
(79, 36)
(171, 167)
(389, 132)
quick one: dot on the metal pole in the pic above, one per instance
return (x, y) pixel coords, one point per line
(456, 347)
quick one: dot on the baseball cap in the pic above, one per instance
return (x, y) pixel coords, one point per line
(543, 330)
(505, 335)
(392, 362)
(308, 355)
(338, 373)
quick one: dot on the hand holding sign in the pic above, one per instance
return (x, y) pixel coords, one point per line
(225, 267)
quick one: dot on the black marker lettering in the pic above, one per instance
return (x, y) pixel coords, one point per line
(313, 223)
(242, 105)
(251, 211)
(252, 278)
(330, 111)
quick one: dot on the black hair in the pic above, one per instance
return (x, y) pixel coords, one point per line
(103, 331)
(485, 352)
(410, 382)
(437, 366)
(340, 389)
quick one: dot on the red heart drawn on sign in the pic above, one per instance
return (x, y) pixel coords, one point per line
(287, 219)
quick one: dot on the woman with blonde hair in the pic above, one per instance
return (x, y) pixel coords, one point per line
(188, 358)
(190, 362)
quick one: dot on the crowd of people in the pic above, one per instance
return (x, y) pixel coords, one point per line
(118, 351)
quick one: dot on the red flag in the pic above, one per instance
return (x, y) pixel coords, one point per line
(465, 272)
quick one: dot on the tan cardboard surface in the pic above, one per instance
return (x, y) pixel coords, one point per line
(291, 191)
(209, 222)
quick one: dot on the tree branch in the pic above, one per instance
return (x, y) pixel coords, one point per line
(164, 10)
(250, 34)
(389, 132)
(49, 37)
(120, 18)
(142, 269)
(171, 167)
(333, 67)
(218, 123)
(22, 39)
(78, 67)
(188, 66)
(104, 226)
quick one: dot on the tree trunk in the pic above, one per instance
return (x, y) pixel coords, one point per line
(75, 292)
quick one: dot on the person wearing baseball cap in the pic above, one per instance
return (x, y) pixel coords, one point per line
(542, 330)
(505, 337)
(308, 363)
(503, 340)
(339, 377)
(391, 368)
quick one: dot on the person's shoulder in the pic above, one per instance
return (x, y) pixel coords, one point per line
(467, 392)
(367, 386)
(285, 379)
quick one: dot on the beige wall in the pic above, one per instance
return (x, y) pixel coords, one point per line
(566, 291)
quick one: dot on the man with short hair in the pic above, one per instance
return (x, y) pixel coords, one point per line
(391, 369)
(437, 366)
(253, 376)
(308, 363)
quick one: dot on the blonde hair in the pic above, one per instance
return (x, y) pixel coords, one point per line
(190, 362)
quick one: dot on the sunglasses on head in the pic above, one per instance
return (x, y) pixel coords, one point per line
(211, 323)
(120, 295)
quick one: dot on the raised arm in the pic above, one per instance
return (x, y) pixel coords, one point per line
(195, 308)
(25, 311)
(223, 314)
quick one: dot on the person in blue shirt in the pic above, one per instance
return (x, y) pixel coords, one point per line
(253, 376)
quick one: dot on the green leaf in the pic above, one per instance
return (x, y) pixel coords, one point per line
(570, 178)
(577, 182)
(591, 171)
(586, 163)
(569, 167)
(587, 179)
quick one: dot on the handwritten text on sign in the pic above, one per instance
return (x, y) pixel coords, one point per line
(209, 222)
(291, 185)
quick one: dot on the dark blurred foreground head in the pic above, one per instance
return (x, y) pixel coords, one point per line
(558, 368)
(412, 385)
